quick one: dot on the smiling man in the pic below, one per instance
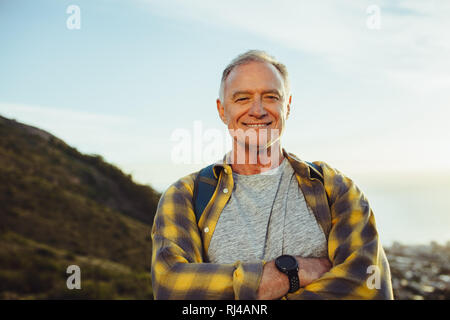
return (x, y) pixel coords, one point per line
(262, 223)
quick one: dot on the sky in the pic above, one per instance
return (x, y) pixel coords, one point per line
(370, 85)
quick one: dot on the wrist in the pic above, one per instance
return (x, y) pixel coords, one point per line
(288, 265)
(303, 274)
(312, 269)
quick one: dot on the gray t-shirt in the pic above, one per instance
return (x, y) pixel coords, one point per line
(266, 216)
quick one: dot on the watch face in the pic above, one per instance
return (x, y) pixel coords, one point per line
(287, 262)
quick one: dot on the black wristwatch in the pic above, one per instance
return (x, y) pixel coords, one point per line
(289, 266)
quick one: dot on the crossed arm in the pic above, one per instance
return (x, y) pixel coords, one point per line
(179, 269)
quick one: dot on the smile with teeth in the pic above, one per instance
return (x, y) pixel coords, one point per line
(257, 125)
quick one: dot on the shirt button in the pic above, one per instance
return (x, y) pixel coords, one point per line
(225, 190)
(206, 230)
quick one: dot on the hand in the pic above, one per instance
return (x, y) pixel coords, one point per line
(311, 269)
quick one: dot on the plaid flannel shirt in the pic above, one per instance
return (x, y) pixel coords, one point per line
(180, 267)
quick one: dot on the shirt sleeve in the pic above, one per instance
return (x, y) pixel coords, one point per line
(360, 268)
(178, 267)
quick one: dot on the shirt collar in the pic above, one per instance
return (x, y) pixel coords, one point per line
(300, 167)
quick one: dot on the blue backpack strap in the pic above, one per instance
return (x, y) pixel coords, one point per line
(314, 174)
(317, 173)
(204, 187)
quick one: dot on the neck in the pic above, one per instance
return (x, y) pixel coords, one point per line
(247, 160)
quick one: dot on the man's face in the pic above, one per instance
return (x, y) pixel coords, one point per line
(255, 102)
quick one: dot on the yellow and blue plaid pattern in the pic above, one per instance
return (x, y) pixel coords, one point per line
(180, 267)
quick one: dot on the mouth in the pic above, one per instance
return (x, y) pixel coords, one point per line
(258, 124)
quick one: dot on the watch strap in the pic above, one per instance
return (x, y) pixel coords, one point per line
(294, 282)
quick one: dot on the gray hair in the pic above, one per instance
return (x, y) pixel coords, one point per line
(254, 56)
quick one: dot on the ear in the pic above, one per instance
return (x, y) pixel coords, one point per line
(289, 106)
(221, 111)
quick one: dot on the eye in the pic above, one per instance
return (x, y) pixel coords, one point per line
(241, 99)
(272, 97)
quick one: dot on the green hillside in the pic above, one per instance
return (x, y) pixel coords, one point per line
(59, 207)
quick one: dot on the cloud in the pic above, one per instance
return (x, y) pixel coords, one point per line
(407, 59)
(117, 138)
(411, 36)
(80, 127)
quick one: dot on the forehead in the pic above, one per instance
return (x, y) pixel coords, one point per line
(254, 76)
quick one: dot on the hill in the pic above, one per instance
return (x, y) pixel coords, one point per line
(59, 207)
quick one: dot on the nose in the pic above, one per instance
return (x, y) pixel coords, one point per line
(257, 109)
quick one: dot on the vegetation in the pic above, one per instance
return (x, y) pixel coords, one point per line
(59, 207)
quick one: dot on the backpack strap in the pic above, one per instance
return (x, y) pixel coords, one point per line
(315, 173)
(204, 187)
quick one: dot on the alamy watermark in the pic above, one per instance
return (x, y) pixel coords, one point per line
(373, 21)
(73, 22)
(374, 280)
(74, 280)
(206, 145)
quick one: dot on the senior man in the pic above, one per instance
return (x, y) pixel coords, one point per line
(262, 223)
